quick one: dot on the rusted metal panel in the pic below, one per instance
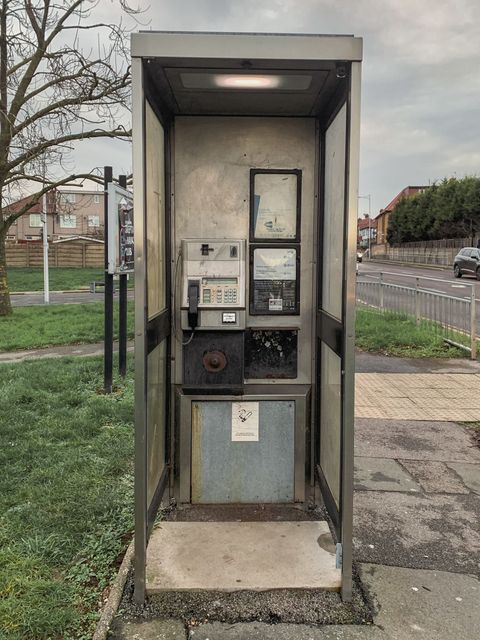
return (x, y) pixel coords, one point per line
(243, 472)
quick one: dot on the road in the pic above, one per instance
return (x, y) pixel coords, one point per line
(29, 299)
(452, 312)
(457, 287)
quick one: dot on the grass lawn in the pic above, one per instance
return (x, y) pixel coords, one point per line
(395, 335)
(56, 324)
(66, 493)
(61, 278)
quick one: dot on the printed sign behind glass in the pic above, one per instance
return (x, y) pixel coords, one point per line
(275, 206)
(120, 230)
(275, 280)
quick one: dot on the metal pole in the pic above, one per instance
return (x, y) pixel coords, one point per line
(122, 303)
(369, 227)
(46, 283)
(473, 324)
(381, 290)
(417, 301)
(108, 332)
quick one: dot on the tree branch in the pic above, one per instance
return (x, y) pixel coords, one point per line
(28, 155)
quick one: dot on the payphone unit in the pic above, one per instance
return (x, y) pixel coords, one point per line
(213, 301)
(213, 292)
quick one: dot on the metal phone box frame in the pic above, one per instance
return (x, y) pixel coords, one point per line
(241, 148)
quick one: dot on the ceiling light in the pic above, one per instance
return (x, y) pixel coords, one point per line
(244, 81)
(249, 81)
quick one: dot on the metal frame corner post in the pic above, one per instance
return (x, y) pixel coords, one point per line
(353, 146)
(108, 301)
(473, 324)
(138, 117)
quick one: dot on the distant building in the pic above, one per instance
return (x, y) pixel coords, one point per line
(366, 231)
(71, 212)
(383, 216)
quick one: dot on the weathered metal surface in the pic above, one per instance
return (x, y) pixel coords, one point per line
(213, 158)
(224, 471)
(198, 363)
(271, 354)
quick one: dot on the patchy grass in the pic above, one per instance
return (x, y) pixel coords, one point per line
(396, 335)
(56, 324)
(61, 278)
(66, 492)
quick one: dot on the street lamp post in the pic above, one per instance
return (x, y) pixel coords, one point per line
(369, 198)
(46, 284)
(44, 217)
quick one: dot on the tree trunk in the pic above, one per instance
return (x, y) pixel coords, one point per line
(5, 305)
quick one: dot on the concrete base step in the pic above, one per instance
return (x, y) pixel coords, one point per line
(239, 556)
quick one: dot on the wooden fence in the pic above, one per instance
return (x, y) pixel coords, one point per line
(64, 254)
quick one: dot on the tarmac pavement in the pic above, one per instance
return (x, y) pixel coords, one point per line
(31, 298)
(95, 349)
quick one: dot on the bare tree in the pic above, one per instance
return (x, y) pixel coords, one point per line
(63, 78)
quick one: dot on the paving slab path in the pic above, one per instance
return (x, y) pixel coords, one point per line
(60, 351)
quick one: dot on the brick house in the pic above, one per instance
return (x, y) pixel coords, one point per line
(366, 231)
(71, 212)
(383, 216)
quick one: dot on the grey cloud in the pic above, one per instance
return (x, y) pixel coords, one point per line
(421, 86)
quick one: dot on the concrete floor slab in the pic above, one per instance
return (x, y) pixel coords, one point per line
(432, 605)
(469, 473)
(427, 531)
(262, 631)
(434, 477)
(414, 440)
(382, 474)
(234, 556)
(151, 630)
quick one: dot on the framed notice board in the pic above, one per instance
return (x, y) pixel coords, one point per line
(274, 280)
(275, 205)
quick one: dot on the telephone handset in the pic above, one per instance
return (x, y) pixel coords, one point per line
(193, 300)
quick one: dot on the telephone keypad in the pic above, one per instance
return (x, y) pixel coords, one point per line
(220, 295)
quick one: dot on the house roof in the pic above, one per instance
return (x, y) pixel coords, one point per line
(404, 193)
(367, 223)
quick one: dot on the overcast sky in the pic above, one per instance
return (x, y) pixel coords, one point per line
(421, 78)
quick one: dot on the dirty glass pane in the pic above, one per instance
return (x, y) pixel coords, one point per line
(333, 225)
(275, 206)
(155, 218)
(330, 420)
(156, 399)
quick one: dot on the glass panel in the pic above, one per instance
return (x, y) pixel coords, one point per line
(330, 419)
(155, 219)
(156, 400)
(334, 219)
(275, 206)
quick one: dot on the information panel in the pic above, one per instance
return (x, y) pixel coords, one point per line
(274, 280)
(275, 205)
(120, 230)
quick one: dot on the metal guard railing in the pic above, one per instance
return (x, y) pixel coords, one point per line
(453, 318)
